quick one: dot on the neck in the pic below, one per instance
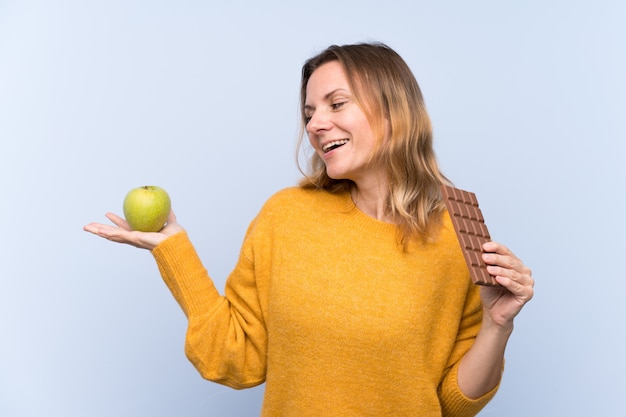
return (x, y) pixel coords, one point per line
(372, 200)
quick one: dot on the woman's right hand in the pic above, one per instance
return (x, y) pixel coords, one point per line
(122, 233)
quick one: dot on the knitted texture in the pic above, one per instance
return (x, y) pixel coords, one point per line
(326, 308)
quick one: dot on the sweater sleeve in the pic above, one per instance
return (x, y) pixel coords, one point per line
(453, 402)
(226, 338)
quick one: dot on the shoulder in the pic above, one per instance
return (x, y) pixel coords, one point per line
(288, 194)
(298, 198)
(294, 209)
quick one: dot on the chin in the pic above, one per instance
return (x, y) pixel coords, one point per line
(336, 175)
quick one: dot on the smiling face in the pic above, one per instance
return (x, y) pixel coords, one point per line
(337, 127)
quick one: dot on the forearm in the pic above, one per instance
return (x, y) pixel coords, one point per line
(480, 369)
(185, 276)
(225, 338)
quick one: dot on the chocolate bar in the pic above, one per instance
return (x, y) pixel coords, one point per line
(471, 231)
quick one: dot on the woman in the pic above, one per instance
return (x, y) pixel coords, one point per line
(351, 296)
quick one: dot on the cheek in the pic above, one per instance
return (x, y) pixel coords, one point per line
(312, 141)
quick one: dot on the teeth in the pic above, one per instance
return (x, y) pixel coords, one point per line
(334, 144)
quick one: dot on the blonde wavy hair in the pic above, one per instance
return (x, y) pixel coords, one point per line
(386, 89)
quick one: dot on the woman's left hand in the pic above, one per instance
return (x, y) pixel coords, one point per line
(481, 367)
(502, 304)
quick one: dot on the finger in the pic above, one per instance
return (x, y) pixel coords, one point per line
(518, 283)
(498, 254)
(92, 228)
(522, 291)
(171, 218)
(118, 221)
(104, 230)
(498, 271)
(116, 234)
(506, 259)
(495, 247)
(509, 268)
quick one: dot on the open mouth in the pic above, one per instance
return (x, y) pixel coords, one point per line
(334, 145)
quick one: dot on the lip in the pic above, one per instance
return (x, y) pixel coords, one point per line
(328, 142)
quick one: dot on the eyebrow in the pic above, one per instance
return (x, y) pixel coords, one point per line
(327, 96)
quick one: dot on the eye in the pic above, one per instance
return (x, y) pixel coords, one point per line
(307, 113)
(338, 105)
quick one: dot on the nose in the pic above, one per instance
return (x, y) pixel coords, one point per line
(318, 121)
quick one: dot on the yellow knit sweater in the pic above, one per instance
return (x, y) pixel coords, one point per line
(327, 309)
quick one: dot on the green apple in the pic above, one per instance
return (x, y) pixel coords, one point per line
(146, 208)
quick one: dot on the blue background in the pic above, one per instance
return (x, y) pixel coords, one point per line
(528, 101)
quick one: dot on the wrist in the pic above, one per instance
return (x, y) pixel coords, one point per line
(504, 327)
